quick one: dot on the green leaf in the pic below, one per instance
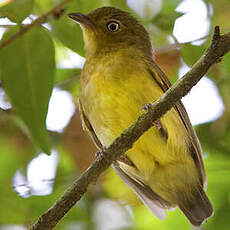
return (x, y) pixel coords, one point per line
(158, 37)
(10, 160)
(218, 140)
(42, 6)
(120, 4)
(191, 53)
(220, 14)
(165, 21)
(17, 10)
(69, 32)
(226, 62)
(83, 6)
(170, 5)
(27, 70)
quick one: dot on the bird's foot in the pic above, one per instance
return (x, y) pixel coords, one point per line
(98, 153)
(146, 107)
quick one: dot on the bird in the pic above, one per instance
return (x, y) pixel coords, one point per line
(119, 79)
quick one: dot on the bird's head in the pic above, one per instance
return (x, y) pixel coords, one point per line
(109, 29)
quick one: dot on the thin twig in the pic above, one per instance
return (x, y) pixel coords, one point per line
(219, 47)
(178, 45)
(68, 81)
(36, 22)
(8, 25)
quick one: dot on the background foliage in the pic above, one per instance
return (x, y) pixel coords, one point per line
(29, 70)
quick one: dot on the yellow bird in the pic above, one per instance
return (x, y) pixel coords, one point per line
(164, 167)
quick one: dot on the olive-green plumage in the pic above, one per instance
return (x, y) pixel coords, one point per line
(165, 166)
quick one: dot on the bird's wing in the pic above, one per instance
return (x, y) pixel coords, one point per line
(150, 199)
(154, 202)
(195, 150)
(88, 127)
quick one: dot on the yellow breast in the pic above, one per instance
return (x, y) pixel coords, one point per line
(113, 95)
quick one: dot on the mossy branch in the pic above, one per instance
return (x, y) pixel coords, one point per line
(219, 47)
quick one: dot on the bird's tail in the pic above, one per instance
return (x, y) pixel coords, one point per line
(198, 209)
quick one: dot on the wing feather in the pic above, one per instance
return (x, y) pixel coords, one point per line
(153, 202)
(88, 127)
(196, 151)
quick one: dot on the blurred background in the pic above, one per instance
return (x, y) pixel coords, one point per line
(39, 79)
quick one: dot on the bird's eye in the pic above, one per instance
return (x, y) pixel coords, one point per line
(113, 26)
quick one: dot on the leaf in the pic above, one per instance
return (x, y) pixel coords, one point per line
(28, 79)
(170, 5)
(191, 53)
(84, 6)
(226, 62)
(10, 160)
(158, 37)
(42, 6)
(17, 10)
(120, 4)
(67, 31)
(165, 21)
(220, 14)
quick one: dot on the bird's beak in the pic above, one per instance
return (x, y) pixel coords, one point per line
(82, 19)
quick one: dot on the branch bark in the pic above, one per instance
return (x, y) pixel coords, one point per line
(36, 22)
(219, 47)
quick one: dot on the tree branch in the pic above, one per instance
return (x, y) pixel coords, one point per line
(219, 47)
(36, 22)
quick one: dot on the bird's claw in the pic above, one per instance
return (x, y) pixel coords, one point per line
(98, 153)
(146, 107)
